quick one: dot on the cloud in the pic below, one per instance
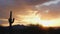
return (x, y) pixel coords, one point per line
(3, 21)
(17, 6)
(50, 2)
(52, 6)
(34, 2)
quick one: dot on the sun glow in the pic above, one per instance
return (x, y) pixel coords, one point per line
(35, 18)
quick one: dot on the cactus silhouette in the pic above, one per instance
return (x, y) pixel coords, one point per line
(11, 20)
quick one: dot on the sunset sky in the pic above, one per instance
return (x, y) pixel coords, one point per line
(43, 12)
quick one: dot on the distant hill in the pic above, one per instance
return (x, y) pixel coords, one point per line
(32, 29)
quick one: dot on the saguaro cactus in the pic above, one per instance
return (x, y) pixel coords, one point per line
(11, 20)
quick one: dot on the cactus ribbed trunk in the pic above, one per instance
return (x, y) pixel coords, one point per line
(11, 21)
(10, 28)
(10, 25)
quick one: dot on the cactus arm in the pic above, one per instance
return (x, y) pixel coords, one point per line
(13, 19)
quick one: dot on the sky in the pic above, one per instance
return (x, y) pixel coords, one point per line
(48, 9)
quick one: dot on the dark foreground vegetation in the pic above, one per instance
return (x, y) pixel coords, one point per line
(32, 29)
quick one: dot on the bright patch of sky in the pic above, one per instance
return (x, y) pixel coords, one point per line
(48, 3)
(51, 2)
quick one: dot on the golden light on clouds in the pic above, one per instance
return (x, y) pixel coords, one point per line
(47, 12)
(35, 18)
(32, 18)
